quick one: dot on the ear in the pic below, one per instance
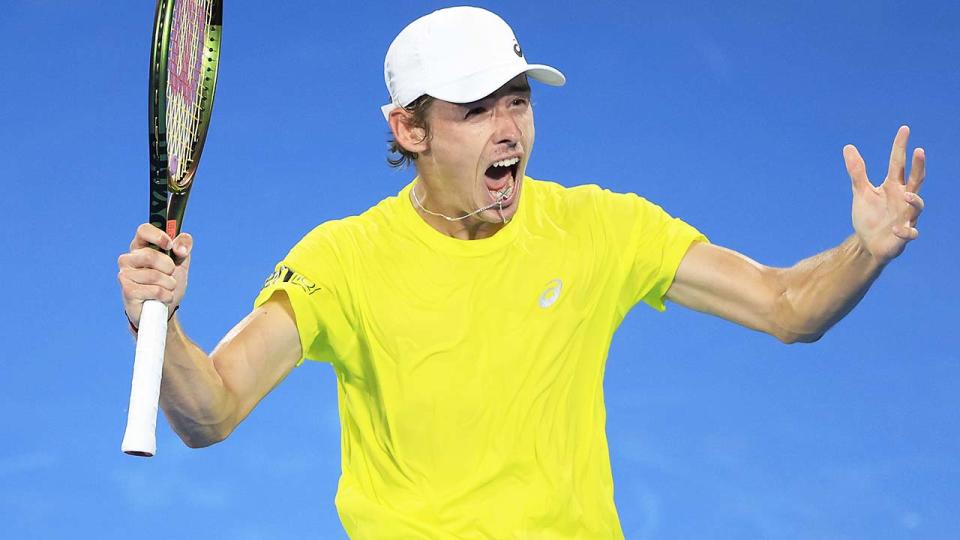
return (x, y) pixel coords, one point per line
(409, 136)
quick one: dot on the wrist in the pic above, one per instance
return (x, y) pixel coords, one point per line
(861, 252)
(133, 328)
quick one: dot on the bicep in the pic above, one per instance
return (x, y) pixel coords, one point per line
(258, 353)
(719, 281)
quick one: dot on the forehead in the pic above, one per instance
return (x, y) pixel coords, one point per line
(449, 110)
(516, 85)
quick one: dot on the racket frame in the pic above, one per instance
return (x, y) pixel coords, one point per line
(168, 201)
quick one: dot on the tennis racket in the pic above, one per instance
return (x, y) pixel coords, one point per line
(183, 77)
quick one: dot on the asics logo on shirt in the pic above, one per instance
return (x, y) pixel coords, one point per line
(551, 293)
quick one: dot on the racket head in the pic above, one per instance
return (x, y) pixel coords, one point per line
(184, 61)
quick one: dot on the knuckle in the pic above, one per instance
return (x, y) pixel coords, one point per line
(139, 256)
(144, 231)
(145, 258)
(157, 292)
(159, 261)
(167, 266)
(128, 288)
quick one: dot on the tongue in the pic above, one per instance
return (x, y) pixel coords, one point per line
(497, 177)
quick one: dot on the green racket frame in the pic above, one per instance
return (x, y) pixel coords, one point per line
(166, 212)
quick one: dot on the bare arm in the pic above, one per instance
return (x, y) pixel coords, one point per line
(793, 304)
(802, 302)
(206, 396)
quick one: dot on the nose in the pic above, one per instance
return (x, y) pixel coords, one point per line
(507, 128)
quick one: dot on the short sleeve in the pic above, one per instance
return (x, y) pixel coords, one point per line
(311, 277)
(651, 244)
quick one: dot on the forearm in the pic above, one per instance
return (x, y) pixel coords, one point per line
(819, 291)
(193, 395)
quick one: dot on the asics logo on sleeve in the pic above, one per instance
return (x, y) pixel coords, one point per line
(551, 293)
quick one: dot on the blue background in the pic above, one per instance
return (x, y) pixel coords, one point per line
(730, 116)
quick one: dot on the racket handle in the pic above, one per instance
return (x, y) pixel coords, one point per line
(140, 438)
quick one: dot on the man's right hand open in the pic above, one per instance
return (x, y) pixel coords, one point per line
(148, 274)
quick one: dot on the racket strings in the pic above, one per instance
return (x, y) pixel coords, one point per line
(185, 84)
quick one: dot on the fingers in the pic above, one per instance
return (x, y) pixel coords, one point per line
(134, 295)
(146, 276)
(147, 258)
(906, 233)
(916, 206)
(138, 285)
(147, 235)
(898, 155)
(918, 170)
(141, 284)
(856, 168)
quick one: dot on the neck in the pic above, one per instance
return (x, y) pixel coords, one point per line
(462, 225)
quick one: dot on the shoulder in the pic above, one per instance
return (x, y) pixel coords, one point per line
(587, 201)
(341, 239)
(554, 198)
(372, 221)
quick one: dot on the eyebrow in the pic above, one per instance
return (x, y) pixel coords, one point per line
(516, 88)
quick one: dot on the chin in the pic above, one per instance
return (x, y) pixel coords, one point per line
(494, 216)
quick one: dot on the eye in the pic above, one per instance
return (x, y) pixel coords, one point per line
(520, 101)
(473, 111)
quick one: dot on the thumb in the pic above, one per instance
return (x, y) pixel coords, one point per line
(182, 246)
(856, 168)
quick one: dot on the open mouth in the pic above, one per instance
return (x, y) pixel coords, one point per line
(500, 180)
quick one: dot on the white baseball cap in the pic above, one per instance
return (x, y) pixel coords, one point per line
(458, 54)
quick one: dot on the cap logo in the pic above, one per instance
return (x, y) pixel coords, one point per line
(516, 48)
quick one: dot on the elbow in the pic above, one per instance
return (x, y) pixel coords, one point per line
(789, 324)
(790, 329)
(200, 429)
(789, 338)
(200, 443)
(202, 438)
(201, 435)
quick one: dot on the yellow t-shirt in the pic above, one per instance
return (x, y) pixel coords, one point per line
(470, 373)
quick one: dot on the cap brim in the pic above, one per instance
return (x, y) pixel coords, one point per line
(484, 83)
(546, 74)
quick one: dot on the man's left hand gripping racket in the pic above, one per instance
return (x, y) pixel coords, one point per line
(183, 77)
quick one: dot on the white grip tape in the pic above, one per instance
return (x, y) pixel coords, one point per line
(140, 438)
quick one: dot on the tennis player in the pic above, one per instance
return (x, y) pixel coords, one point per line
(468, 318)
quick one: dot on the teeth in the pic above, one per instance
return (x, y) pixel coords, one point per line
(506, 162)
(505, 192)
